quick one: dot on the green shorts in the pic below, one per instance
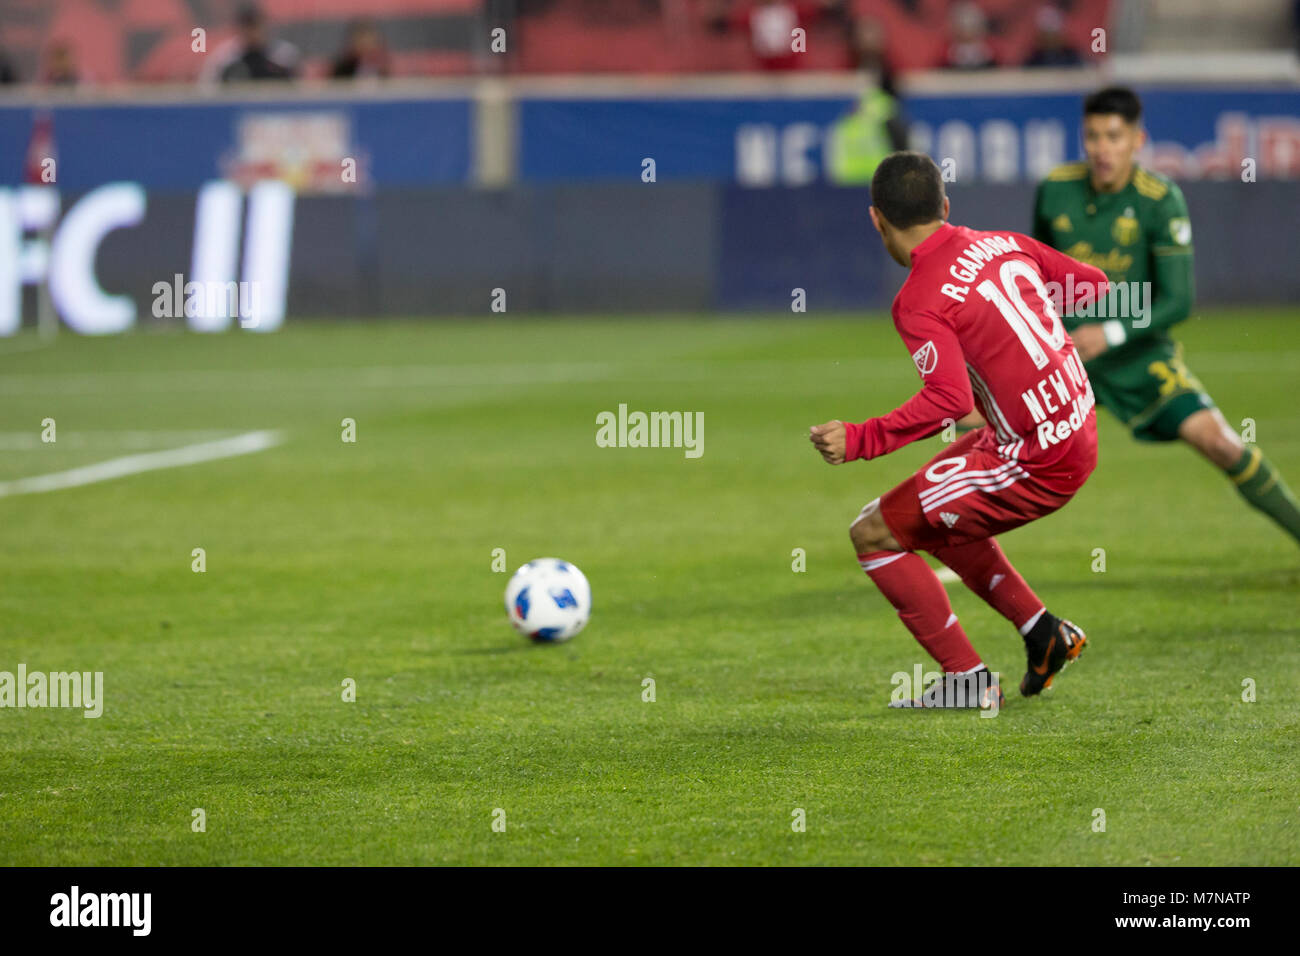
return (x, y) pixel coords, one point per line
(1151, 391)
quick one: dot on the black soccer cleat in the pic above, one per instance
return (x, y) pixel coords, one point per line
(1052, 644)
(976, 690)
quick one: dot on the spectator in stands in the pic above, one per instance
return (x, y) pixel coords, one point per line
(771, 25)
(968, 48)
(1052, 47)
(61, 65)
(364, 55)
(252, 55)
(7, 72)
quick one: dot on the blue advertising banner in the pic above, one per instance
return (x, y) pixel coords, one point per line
(323, 146)
(406, 143)
(1195, 134)
(754, 141)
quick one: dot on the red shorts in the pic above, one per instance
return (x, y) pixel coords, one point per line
(971, 491)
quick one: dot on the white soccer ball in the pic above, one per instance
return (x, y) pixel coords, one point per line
(548, 600)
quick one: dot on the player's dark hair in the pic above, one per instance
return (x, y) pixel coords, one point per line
(907, 189)
(1114, 100)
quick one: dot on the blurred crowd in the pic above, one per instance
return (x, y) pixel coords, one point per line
(550, 36)
(251, 52)
(967, 32)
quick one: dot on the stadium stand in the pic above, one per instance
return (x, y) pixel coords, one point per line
(152, 40)
(564, 36)
(112, 41)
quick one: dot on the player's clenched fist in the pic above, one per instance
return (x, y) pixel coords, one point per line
(829, 440)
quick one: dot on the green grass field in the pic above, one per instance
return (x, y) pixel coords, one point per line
(372, 561)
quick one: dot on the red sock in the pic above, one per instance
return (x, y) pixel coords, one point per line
(908, 583)
(986, 571)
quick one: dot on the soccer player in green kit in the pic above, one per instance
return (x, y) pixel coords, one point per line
(1133, 224)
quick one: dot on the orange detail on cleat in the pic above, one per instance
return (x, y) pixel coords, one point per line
(1041, 669)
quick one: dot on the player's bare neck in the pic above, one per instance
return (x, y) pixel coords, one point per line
(1115, 185)
(909, 239)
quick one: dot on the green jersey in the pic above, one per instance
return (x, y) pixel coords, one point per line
(1141, 238)
(1140, 234)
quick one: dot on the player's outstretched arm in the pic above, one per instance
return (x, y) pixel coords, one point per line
(945, 394)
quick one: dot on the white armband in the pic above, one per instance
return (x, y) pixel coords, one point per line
(1115, 332)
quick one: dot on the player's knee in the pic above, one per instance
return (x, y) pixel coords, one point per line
(868, 530)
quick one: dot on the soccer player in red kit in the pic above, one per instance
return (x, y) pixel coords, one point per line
(978, 317)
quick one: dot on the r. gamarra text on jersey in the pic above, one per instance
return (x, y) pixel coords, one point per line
(973, 258)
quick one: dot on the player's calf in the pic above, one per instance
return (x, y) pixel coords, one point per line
(1209, 433)
(908, 583)
(1253, 475)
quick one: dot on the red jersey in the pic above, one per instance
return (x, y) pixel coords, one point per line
(977, 315)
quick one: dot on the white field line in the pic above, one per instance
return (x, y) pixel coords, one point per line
(947, 575)
(114, 440)
(245, 444)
